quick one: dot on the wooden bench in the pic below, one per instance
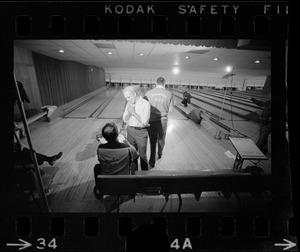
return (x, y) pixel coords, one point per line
(33, 119)
(185, 182)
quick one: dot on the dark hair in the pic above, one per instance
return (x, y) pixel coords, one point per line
(160, 81)
(110, 132)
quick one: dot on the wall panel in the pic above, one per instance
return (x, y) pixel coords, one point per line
(25, 72)
(50, 81)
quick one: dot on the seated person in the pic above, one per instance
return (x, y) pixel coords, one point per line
(22, 154)
(115, 157)
(186, 98)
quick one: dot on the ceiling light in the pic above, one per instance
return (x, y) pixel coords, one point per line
(228, 69)
(257, 61)
(141, 54)
(61, 51)
(216, 59)
(187, 57)
(175, 70)
(109, 53)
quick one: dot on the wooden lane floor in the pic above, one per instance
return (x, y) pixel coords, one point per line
(188, 147)
(115, 108)
(258, 94)
(233, 95)
(89, 108)
(76, 138)
(212, 129)
(208, 105)
(237, 108)
(205, 154)
(239, 102)
(77, 102)
(247, 127)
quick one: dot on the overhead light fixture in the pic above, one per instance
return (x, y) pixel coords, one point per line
(109, 53)
(216, 59)
(175, 70)
(257, 61)
(141, 54)
(61, 51)
(228, 69)
(187, 57)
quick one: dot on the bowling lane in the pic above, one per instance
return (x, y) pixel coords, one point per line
(247, 127)
(228, 98)
(190, 147)
(74, 103)
(87, 109)
(215, 106)
(115, 107)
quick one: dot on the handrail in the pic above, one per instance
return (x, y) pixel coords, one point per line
(40, 187)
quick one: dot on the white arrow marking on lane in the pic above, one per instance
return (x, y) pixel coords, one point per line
(287, 245)
(23, 245)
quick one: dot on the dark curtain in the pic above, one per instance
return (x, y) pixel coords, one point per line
(97, 77)
(63, 81)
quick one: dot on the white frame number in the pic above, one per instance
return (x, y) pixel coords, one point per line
(51, 244)
(186, 244)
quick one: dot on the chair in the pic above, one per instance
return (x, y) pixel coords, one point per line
(113, 162)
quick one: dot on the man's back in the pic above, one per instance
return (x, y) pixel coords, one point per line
(114, 158)
(161, 100)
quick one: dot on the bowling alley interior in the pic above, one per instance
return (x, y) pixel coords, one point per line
(219, 150)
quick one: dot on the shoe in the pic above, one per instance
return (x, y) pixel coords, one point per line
(97, 193)
(159, 156)
(55, 158)
(98, 137)
(151, 164)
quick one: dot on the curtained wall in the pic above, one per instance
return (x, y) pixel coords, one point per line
(97, 78)
(63, 81)
(49, 81)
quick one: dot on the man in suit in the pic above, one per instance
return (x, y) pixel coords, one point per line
(115, 157)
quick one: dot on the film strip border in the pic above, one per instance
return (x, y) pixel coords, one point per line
(128, 19)
(149, 20)
(191, 231)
